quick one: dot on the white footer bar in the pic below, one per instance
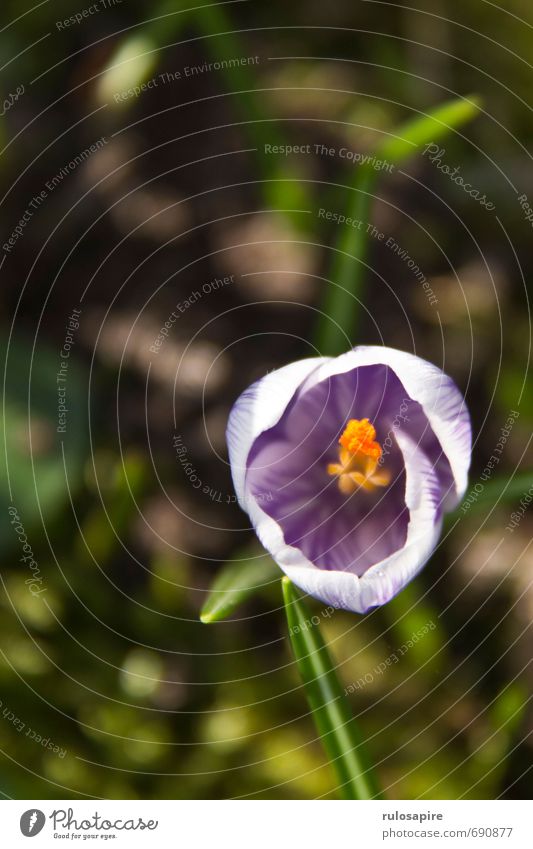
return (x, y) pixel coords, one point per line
(267, 824)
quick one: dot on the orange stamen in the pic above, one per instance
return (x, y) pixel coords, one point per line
(359, 437)
(359, 456)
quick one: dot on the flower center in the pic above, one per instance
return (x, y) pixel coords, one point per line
(359, 456)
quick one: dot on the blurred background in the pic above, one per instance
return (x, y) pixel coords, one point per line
(163, 171)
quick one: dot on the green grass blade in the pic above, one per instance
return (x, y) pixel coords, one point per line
(282, 189)
(137, 57)
(501, 490)
(505, 490)
(331, 712)
(427, 129)
(235, 583)
(337, 326)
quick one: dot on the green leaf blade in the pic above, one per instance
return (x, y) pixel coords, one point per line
(332, 715)
(337, 326)
(236, 582)
(428, 129)
(343, 295)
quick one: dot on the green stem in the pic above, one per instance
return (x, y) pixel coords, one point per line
(340, 735)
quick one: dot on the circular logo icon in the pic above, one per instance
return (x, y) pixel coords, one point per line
(32, 822)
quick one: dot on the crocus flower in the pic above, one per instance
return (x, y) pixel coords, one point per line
(346, 466)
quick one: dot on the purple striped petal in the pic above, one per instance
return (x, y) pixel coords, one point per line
(440, 401)
(258, 408)
(382, 581)
(353, 551)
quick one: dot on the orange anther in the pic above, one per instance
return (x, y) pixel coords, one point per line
(359, 437)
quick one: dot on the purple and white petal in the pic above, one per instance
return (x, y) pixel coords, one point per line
(259, 408)
(353, 548)
(385, 579)
(437, 394)
(287, 476)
